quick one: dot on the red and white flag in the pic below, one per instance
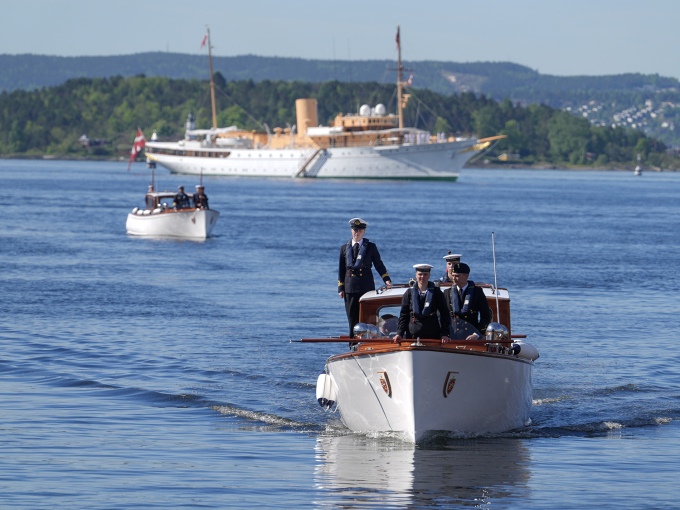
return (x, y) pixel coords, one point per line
(205, 39)
(137, 147)
(410, 80)
(397, 38)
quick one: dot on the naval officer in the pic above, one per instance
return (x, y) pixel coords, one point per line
(451, 259)
(355, 277)
(200, 198)
(181, 199)
(466, 301)
(419, 306)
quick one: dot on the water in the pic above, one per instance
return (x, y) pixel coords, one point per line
(138, 373)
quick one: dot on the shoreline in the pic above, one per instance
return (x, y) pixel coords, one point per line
(478, 166)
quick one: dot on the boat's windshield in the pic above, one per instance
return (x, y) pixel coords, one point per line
(388, 321)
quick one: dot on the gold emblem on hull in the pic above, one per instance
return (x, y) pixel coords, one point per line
(385, 383)
(449, 383)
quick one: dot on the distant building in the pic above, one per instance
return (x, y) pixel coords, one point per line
(508, 157)
(91, 142)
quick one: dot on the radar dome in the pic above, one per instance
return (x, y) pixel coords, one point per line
(380, 109)
(365, 110)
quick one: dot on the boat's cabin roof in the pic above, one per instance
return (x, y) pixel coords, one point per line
(162, 194)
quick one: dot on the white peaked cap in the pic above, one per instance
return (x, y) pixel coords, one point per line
(355, 222)
(452, 256)
(423, 267)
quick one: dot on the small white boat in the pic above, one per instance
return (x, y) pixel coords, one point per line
(161, 219)
(638, 170)
(421, 386)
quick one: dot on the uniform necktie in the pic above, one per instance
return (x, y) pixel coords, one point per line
(460, 295)
(356, 250)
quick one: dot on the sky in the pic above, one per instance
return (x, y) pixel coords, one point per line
(575, 37)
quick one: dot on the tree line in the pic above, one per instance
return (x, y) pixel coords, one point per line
(50, 120)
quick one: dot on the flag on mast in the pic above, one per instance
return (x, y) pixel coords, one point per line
(397, 38)
(205, 39)
(137, 147)
(410, 80)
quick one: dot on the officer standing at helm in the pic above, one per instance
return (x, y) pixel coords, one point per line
(355, 277)
(451, 259)
(466, 301)
(200, 198)
(419, 306)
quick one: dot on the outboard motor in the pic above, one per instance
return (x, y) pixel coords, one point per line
(326, 393)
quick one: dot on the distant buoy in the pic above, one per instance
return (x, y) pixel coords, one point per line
(638, 170)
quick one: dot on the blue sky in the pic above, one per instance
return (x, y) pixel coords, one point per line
(564, 38)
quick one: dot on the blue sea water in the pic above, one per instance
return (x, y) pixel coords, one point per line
(151, 373)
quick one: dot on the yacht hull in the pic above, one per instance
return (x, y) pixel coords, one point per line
(194, 224)
(428, 161)
(487, 393)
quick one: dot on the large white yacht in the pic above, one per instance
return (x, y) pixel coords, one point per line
(371, 144)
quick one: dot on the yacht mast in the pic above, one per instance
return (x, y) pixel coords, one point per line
(399, 68)
(212, 82)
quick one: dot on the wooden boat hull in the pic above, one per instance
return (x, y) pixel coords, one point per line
(418, 390)
(192, 224)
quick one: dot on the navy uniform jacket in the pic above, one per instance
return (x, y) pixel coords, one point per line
(478, 304)
(360, 279)
(181, 200)
(201, 201)
(429, 327)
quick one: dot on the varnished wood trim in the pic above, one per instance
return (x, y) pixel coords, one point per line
(389, 350)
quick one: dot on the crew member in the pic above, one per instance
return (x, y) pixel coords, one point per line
(355, 277)
(200, 198)
(451, 259)
(467, 301)
(419, 306)
(181, 199)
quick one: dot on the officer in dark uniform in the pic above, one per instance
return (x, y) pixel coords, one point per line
(181, 199)
(466, 301)
(419, 306)
(451, 259)
(200, 198)
(355, 277)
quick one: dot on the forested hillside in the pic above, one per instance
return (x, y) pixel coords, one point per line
(50, 120)
(604, 97)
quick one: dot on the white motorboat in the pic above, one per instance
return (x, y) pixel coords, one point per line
(421, 386)
(161, 218)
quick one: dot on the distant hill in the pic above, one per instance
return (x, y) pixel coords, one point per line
(492, 78)
(605, 100)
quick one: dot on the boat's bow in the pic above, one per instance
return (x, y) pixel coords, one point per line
(418, 389)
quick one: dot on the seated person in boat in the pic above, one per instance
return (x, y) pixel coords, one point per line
(200, 198)
(387, 325)
(419, 306)
(451, 259)
(466, 301)
(181, 199)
